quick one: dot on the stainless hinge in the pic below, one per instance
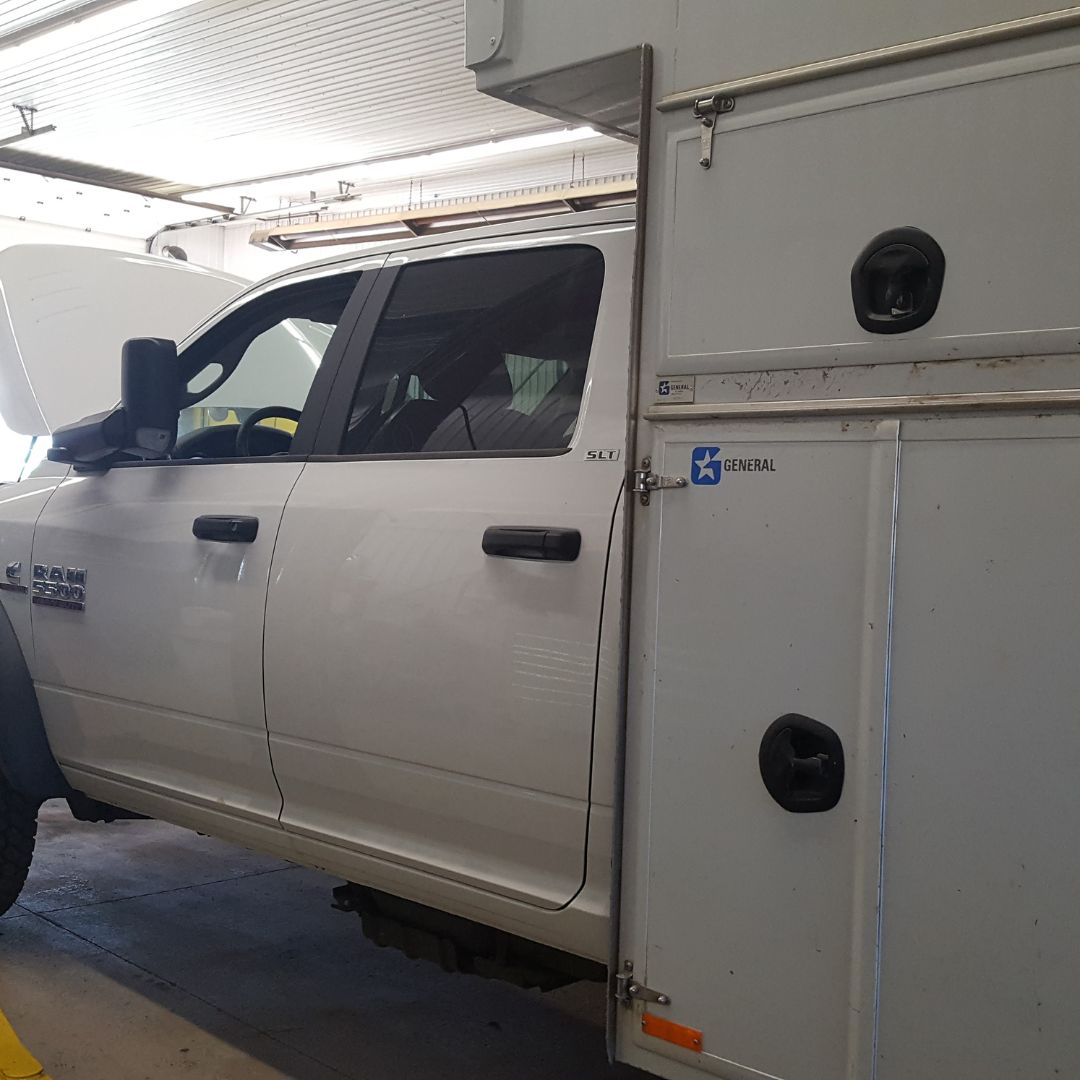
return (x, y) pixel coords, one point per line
(627, 991)
(644, 480)
(706, 110)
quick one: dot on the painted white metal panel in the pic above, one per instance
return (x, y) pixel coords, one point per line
(716, 42)
(981, 930)
(226, 90)
(699, 42)
(16, 15)
(764, 594)
(20, 505)
(454, 726)
(158, 683)
(65, 313)
(804, 179)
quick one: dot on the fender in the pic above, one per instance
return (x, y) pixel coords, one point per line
(26, 762)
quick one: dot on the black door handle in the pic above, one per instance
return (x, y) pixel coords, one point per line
(226, 528)
(802, 764)
(532, 542)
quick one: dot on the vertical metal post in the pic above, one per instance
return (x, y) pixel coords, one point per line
(630, 507)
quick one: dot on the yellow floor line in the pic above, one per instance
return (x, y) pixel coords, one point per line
(16, 1062)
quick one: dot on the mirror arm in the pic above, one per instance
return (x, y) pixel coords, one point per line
(143, 426)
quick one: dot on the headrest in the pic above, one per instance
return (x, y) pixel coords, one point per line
(479, 370)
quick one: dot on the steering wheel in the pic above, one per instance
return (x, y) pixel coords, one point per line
(243, 435)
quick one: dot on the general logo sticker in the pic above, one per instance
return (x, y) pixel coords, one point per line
(675, 391)
(706, 465)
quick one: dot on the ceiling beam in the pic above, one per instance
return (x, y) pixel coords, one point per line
(78, 172)
(56, 21)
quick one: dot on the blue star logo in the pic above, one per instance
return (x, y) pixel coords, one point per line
(706, 466)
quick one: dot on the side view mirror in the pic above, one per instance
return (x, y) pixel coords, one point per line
(150, 395)
(145, 422)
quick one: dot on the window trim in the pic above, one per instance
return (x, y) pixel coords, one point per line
(445, 455)
(322, 385)
(331, 433)
(170, 463)
(350, 368)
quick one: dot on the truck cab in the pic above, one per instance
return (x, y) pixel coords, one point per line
(355, 612)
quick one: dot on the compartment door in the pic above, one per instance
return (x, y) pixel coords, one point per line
(760, 623)
(980, 955)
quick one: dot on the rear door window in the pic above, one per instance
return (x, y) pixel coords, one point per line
(479, 353)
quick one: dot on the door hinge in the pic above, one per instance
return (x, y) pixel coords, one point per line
(643, 481)
(706, 110)
(627, 990)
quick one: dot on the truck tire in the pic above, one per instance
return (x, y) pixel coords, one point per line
(18, 828)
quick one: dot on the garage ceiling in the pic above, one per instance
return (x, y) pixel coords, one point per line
(218, 99)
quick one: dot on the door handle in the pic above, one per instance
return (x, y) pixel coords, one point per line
(802, 764)
(532, 542)
(225, 528)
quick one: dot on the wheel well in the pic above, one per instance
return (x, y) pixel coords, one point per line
(26, 761)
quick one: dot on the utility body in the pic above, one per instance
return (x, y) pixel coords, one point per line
(850, 744)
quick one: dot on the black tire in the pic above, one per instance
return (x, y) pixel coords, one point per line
(18, 829)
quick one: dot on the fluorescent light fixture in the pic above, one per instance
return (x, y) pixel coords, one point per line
(393, 169)
(78, 25)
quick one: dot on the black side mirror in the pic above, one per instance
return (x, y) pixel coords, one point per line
(144, 425)
(150, 396)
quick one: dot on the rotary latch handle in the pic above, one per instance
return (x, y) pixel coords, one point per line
(896, 281)
(801, 761)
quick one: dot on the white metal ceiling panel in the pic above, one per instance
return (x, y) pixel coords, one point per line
(223, 90)
(16, 15)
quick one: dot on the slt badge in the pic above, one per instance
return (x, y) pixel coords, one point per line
(59, 586)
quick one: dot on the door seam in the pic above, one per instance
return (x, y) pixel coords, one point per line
(885, 757)
(262, 648)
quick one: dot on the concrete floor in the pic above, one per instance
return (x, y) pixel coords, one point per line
(139, 951)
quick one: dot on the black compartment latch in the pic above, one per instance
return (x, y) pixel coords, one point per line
(896, 281)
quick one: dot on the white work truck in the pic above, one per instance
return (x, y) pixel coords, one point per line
(694, 601)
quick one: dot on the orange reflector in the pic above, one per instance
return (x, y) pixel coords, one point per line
(669, 1031)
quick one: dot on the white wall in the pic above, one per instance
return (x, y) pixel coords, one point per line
(14, 231)
(229, 248)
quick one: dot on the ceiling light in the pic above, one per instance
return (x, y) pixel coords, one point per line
(94, 19)
(401, 168)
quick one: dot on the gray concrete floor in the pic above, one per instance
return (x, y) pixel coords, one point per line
(139, 950)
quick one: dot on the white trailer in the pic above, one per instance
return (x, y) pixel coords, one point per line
(852, 734)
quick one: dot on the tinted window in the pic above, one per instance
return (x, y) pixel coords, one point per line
(481, 352)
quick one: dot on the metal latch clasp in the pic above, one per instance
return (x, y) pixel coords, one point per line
(643, 481)
(706, 110)
(627, 990)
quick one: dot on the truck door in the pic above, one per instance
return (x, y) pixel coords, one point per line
(148, 614)
(435, 604)
(753, 823)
